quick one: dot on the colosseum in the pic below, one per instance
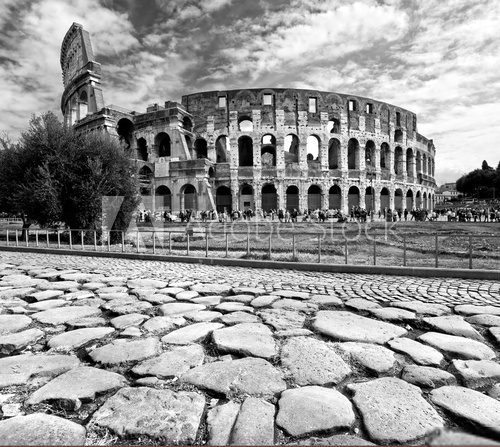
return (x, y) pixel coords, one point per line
(259, 149)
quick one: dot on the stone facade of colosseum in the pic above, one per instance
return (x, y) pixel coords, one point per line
(263, 149)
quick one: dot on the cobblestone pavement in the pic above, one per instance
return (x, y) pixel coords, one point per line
(109, 351)
(382, 288)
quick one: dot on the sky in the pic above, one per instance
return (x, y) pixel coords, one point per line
(437, 58)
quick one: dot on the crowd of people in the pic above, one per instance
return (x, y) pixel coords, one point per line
(356, 214)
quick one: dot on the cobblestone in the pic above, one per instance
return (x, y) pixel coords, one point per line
(160, 352)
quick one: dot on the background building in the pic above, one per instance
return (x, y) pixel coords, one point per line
(258, 148)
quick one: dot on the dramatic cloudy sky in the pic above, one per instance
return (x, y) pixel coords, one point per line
(438, 58)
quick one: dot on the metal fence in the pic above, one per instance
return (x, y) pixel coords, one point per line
(332, 247)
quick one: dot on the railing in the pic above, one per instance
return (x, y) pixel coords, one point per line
(323, 244)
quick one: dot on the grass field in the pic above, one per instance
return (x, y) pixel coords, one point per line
(401, 243)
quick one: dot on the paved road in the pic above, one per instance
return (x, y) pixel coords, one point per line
(99, 351)
(381, 288)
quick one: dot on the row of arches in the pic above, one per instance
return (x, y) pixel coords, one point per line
(269, 198)
(401, 163)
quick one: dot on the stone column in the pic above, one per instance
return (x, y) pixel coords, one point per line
(280, 152)
(303, 196)
(281, 196)
(403, 163)
(257, 195)
(377, 158)
(362, 160)
(391, 159)
(391, 198)
(235, 202)
(344, 199)
(343, 156)
(325, 203)
(362, 195)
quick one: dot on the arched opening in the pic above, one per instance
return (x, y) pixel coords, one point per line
(409, 200)
(425, 205)
(353, 154)
(245, 150)
(384, 199)
(200, 148)
(269, 197)
(245, 124)
(246, 197)
(369, 199)
(189, 200)
(142, 149)
(292, 198)
(313, 148)
(163, 198)
(398, 136)
(409, 162)
(419, 162)
(398, 200)
(424, 164)
(418, 201)
(353, 197)
(223, 199)
(83, 104)
(125, 130)
(222, 149)
(335, 198)
(162, 143)
(145, 180)
(398, 161)
(187, 124)
(291, 146)
(333, 154)
(314, 197)
(211, 172)
(384, 156)
(268, 150)
(333, 125)
(429, 166)
(370, 155)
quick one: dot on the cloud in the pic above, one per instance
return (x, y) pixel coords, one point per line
(438, 59)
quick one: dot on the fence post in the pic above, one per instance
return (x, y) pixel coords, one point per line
(206, 242)
(345, 250)
(17, 239)
(270, 244)
(227, 245)
(7, 238)
(319, 248)
(374, 249)
(470, 251)
(95, 240)
(83, 243)
(123, 241)
(248, 242)
(154, 243)
(70, 241)
(404, 249)
(109, 240)
(48, 241)
(138, 242)
(26, 237)
(187, 245)
(437, 251)
(293, 246)
(58, 238)
(36, 238)
(169, 243)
